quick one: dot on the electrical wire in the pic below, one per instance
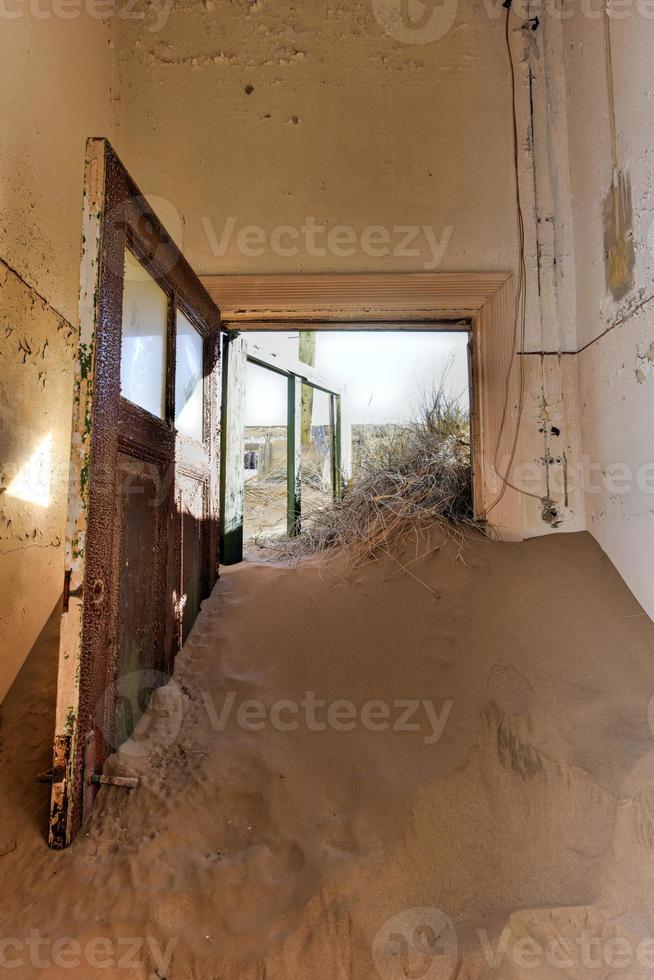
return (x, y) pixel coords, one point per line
(520, 306)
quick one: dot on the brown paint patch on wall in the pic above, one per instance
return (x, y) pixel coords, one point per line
(619, 252)
(645, 369)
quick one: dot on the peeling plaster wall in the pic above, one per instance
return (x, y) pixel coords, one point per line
(615, 332)
(550, 446)
(268, 116)
(56, 81)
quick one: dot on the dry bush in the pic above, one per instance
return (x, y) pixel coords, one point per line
(270, 483)
(411, 479)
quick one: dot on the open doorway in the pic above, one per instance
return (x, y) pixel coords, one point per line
(282, 467)
(480, 304)
(361, 392)
(266, 449)
(292, 432)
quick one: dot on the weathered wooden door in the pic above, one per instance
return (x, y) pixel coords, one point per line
(232, 449)
(142, 534)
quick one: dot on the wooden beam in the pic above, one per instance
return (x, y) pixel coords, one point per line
(294, 455)
(373, 296)
(307, 347)
(335, 427)
(232, 450)
(307, 355)
(439, 322)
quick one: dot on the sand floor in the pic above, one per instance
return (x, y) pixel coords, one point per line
(349, 777)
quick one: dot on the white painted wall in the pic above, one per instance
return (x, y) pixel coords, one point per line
(344, 125)
(616, 379)
(56, 77)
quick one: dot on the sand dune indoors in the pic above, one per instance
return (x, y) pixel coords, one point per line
(496, 795)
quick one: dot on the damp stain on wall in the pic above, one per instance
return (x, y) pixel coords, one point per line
(619, 251)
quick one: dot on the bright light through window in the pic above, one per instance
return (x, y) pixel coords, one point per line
(188, 379)
(33, 481)
(144, 332)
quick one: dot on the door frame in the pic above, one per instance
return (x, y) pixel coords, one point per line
(295, 381)
(232, 483)
(482, 304)
(115, 215)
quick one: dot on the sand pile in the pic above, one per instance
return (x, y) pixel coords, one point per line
(350, 778)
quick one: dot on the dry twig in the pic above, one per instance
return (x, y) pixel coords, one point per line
(410, 479)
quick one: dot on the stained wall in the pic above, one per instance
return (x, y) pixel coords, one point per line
(56, 90)
(611, 126)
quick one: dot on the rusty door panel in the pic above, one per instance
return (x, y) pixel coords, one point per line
(124, 537)
(143, 613)
(193, 508)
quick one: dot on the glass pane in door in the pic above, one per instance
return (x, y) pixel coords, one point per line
(143, 345)
(189, 379)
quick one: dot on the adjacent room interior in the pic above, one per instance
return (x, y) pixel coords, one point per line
(377, 384)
